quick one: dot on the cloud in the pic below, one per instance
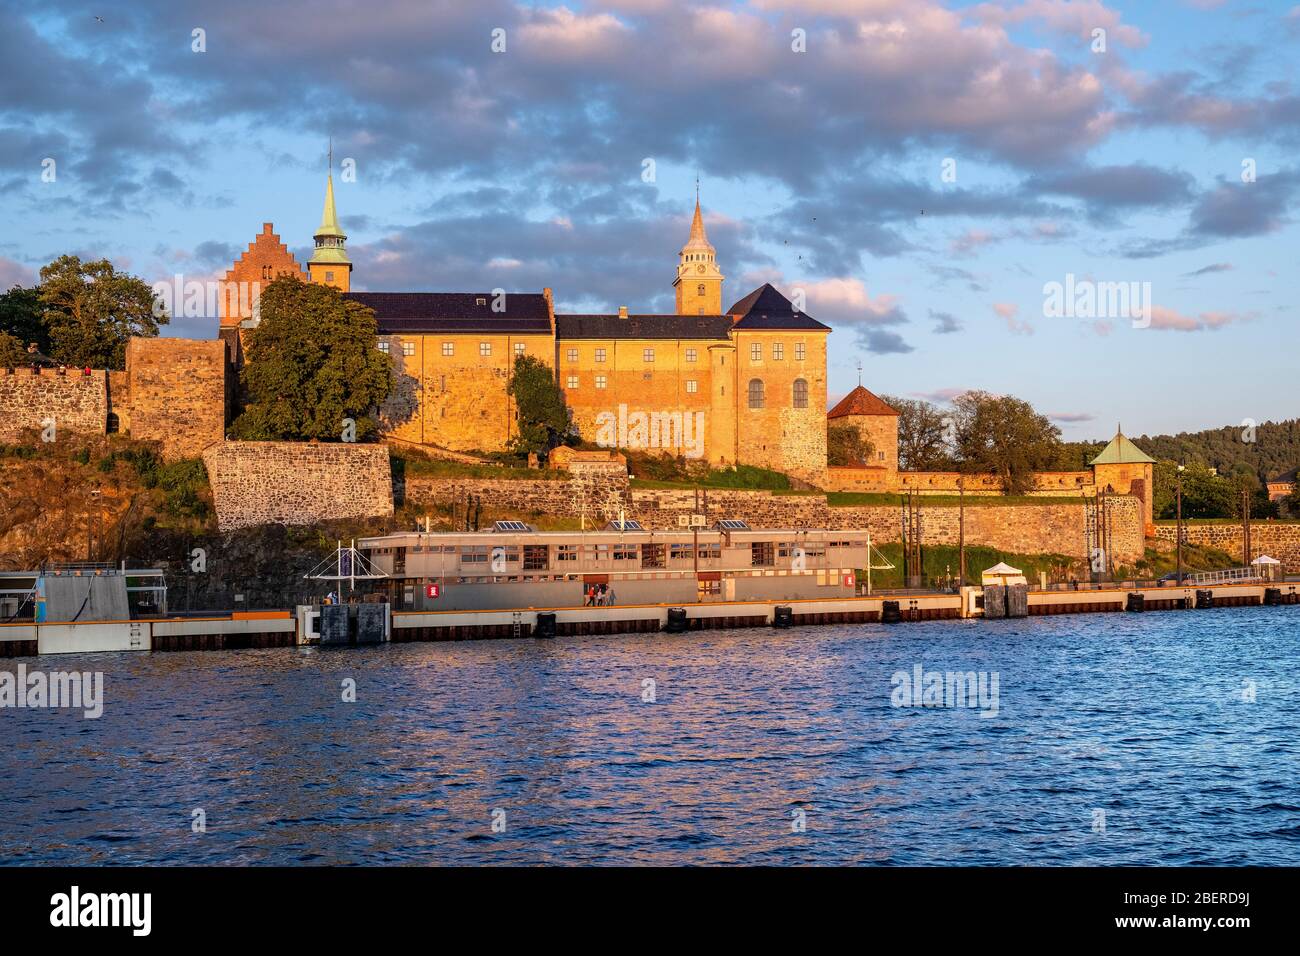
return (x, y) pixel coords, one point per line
(1008, 311)
(945, 323)
(1071, 417)
(941, 395)
(1209, 270)
(846, 303)
(14, 273)
(1167, 319)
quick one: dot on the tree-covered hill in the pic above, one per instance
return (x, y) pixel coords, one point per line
(1274, 452)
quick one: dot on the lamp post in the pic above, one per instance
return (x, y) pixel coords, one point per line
(1182, 465)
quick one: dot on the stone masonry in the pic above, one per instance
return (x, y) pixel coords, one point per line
(256, 483)
(178, 393)
(77, 402)
(1278, 539)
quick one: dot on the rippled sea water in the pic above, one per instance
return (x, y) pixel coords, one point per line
(1142, 716)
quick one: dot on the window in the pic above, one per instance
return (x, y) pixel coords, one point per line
(571, 382)
(800, 393)
(566, 552)
(448, 349)
(756, 393)
(755, 352)
(647, 355)
(600, 355)
(571, 355)
(485, 349)
(408, 348)
(760, 554)
(699, 289)
(519, 349)
(383, 347)
(690, 355)
(600, 381)
(691, 386)
(474, 554)
(329, 277)
(798, 351)
(624, 552)
(778, 351)
(652, 556)
(534, 557)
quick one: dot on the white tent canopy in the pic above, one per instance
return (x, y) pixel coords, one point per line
(1265, 559)
(1003, 573)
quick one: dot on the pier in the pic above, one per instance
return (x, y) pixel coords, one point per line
(298, 627)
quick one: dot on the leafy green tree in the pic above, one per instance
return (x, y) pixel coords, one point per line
(922, 434)
(12, 353)
(847, 446)
(91, 311)
(312, 363)
(1292, 500)
(541, 414)
(20, 316)
(1004, 436)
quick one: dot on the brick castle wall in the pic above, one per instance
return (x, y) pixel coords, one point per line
(177, 393)
(1279, 540)
(257, 483)
(75, 401)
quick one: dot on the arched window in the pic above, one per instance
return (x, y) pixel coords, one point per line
(800, 393)
(756, 393)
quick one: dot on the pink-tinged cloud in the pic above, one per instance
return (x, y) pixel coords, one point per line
(1077, 18)
(1007, 311)
(15, 273)
(941, 394)
(972, 240)
(1071, 417)
(1168, 319)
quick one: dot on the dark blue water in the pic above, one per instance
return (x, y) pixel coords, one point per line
(1139, 716)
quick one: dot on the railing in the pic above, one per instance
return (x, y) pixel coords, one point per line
(1230, 576)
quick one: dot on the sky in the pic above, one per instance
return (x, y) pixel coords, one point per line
(922, 172)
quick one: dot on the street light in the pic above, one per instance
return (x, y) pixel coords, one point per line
(1182, 466)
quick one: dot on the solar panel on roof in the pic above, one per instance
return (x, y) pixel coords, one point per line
(733, 524)
(628, 524)
(510, 526)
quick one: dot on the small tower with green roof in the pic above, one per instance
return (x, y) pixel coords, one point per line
(1124, 468)
(329, 264)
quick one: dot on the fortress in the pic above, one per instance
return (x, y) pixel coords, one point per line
(744, 385)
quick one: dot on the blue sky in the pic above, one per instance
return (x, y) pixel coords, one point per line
(821, 170)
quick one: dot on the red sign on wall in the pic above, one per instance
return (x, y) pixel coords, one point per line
(432, 590)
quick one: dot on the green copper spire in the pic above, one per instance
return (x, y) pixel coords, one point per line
(330, 239)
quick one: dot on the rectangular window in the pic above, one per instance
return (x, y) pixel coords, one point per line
(755, 352)
(760, 554)
(448, 349)
(624, 552)
(408, 348)
(383, 347)
(571, 382)
(778, 351)
(690, 355)
(571, 355)
(652, 556)
(519, 349)
(534, 557)
(600, 355)
(485, 349)
(690, 386)
(647, 355)
(600, 381)
(680, 552)
(566, 552)
(798, 352)
(474, 554)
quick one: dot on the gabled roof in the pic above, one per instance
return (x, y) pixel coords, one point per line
(766, 308)
(590, 326)
(524, 312)
(1121, 451)
(860, 402)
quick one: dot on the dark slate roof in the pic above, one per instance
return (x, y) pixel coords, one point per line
(766, 308)
(642, 326)
(455, 311)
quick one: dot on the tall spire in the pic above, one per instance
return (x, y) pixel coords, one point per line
(698, 238)
(698, 281)
(330, 263)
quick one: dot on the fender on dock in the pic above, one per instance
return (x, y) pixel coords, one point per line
(1136, 602)
(676, 622)
(783, 616)
(1204, 599)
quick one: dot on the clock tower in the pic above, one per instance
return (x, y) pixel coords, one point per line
(698, 282)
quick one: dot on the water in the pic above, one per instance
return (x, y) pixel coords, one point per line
(1139, 716)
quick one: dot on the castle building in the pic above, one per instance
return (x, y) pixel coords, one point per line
(742, 386)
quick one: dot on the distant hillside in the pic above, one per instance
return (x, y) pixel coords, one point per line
(1275, 451)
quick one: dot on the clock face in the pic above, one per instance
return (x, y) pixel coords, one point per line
(700, 269)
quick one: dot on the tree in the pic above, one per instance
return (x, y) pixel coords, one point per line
(847, 446)
(922, 434)
(312, 364)
(12, 353)
(20, 317)
(540, 411)
(1004, 436)
(91, 311)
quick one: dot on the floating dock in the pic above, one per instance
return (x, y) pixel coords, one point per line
(302, 626)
